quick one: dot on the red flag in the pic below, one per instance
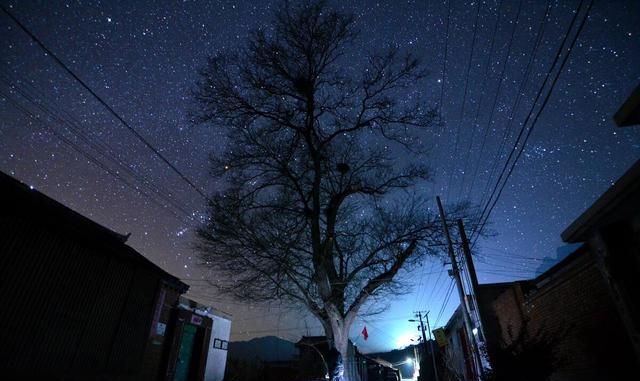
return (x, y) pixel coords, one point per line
(364, 333)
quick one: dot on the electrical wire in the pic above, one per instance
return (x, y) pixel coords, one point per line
(102, 148)
(516, 105)
(483, 92)
(85, 153)
(495, 98)
(464, 98)
(445, 303)
(104, 103)
(545, 100)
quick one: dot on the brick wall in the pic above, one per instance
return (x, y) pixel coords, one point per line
(576, 305)
(572, 303)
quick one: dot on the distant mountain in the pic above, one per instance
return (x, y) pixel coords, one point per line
(268, 348)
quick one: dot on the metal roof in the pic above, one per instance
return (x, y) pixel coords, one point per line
(23, 201)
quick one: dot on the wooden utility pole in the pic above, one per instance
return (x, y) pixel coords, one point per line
(424, 341)
(424, 337)
(461, 294)
(471, 268)
(474, 286)
(433, 352)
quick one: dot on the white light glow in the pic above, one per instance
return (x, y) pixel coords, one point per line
(404, 339)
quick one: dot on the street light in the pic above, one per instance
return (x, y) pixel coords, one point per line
(409, 361)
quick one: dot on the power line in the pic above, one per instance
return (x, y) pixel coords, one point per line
(445, 303)
(495, 99)
(442, 87)
(503, 256)
(422, 291)
(445, 60)
(105, 104)
(84, 153)
(102, 148)
(513, 274)
(506, 254)
(380, 330)
(506, 260)
(512, 267)
(482, 91)
(433, 289)
(464, 97)
(546, 98)
(516, 104)
(516, 266)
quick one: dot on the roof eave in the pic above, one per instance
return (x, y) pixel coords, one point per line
(629, 113)
(599, 212)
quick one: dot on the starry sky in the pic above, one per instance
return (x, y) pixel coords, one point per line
(142, 58)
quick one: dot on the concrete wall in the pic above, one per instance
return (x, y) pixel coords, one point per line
(217, 358)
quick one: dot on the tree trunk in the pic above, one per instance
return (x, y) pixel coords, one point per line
(339, 338)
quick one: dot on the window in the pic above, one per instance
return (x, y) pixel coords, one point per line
(221, 344)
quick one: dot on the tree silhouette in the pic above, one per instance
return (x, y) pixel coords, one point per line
(319, 204)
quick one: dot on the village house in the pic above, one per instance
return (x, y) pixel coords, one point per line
(584, 310)
(210, 330)
(585, 306)
(457, 360)
(80, 304)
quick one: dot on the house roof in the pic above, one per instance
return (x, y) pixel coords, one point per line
(21, 200)
(24, 200)
(193, 304)
(629, 113)
(619, 202)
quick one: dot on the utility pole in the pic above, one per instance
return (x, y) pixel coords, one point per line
(424, 341)
(456, 275)
(433, 352)
(474, 285)
(424, 337)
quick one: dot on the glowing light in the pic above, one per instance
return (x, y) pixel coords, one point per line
(404, 339)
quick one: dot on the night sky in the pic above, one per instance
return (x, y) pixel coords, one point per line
(143, 57)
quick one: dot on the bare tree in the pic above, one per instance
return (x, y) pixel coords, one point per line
(319, 205)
